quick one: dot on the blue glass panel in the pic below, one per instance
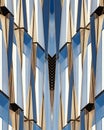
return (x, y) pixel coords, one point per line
(93, 43)
(52, 6)
(40, 54)
(27, 39)
(57, 22)
(71, 82)
(79, 14)
(27, 44)
(99, 107)
(10, 40)
(63, 54)
(21, 120)
(32, 82)
(52, 37)
(67, 127)
(4, 107)
(46, 22)
(63, 57)
(83, 120)
(76, 45)
(36, 127)
(24, 14)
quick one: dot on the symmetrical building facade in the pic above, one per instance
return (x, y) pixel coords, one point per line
(51, 64)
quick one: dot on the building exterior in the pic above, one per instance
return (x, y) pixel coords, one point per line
(51, 65)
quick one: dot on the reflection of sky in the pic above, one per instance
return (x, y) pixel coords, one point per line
(36, 127)
(4, 107)
(99, 105)
(52, 40)
(76, 45)
(67, 127)
(56, 98)
(64, 80)
(47, 98)
(51, 6)
(63, 54)
(54, 26)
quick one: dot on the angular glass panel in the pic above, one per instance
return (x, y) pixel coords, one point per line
(47, 108)
(74, 13)
(77, 69)
(4, 107)
(17, 121)
(87, 119)
(99, 107)
(87, 78)
(32, 99)
(73, 125)
(3, 124)
(26, 70)
(67, 127)
(57, 100)
(64, 82)
(64, 57)
(52, 37)
(83, 18)
(36, 127)
(64, 21)
(30, 125)
(100, 53)
(6, 35)
(10, 42)
(39, 85)
(17, 77)
(20, 16)
(20, 41)
(38, 32)
(30, 14)
(71, 102)
(3, 65)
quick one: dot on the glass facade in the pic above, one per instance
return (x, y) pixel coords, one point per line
(51, 65)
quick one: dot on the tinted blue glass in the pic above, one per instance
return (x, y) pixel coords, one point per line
(76, 44)
(71, 82)
(24, 14)
(4, 107)
(27, 44)
(21, 120)
(57, 22)
(36, 127)
(83, 120)
(10, 43)
(67, 127)
(27, 39)
(52, 6)
(63, 54)
(79, 14)
(76, 39)
(46, 22)
(32, 82)
(93, 43)
(40, 54)
(99, 107)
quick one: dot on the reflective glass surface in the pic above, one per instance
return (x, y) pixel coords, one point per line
(4, 107)
(99, 106)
